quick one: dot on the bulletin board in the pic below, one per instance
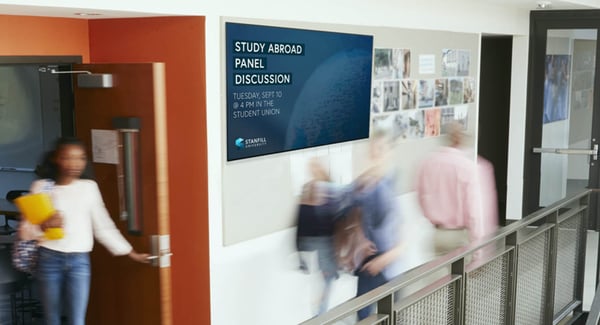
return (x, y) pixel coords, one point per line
(421, 80)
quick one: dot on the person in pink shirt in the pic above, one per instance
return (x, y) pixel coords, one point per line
(457, 195)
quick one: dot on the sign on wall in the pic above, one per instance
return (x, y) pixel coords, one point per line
(290, 89)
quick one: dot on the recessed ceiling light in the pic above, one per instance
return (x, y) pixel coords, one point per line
(87, 14)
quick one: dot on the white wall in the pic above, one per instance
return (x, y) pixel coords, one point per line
(516, 135)
(230, 264)
(270, 258)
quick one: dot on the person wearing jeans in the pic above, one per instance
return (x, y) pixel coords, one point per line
(57, 268)
(374, 194)
(63, 266)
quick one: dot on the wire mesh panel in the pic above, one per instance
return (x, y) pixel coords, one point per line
(531, 280)
(486, 293)
(519, 282)
(436, 308)
(569, 237)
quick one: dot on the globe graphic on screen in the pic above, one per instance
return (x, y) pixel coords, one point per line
(333, 105)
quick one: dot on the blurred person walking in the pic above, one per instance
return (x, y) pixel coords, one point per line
(315, 219)
(457, 195)
(374, 194)
(63, 265)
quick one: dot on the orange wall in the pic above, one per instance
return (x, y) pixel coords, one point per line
(25, 35)
(179, 42)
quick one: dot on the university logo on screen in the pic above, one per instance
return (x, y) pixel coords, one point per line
(242, 143)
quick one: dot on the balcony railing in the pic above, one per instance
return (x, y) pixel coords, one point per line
(529, 272)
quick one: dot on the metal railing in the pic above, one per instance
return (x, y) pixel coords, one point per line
(594, 315)
(529, 272)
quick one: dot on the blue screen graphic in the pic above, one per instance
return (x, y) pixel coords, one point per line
(290, 89)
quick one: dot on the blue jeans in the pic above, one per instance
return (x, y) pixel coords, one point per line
(64, 281)
(366, 283)
(326, 258)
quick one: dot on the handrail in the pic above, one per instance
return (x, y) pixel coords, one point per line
(594, 315)
(433, 266)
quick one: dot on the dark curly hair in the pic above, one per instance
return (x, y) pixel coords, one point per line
(47, 169)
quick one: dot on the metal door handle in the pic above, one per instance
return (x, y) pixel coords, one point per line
(153, 257)
(161, 251)
(591, 152)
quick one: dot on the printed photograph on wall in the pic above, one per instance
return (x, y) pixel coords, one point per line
(441, 92)
(391, 96)
(391, 63)
(464, 60)
(556, 88)
(447, 117)
(382, 122)
(409, 125)
(383, 67)
(426, 93)
(405, 63)
(377, 97)
(455, 95)
(449, 62)
(461, 115)
(432, 122)
(409, 94)
(468, 90)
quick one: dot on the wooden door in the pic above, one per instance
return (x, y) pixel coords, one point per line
(122, 291)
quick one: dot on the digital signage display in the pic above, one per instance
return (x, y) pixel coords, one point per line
(290, 89)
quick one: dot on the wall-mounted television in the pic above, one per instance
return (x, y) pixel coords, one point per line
(291, 89)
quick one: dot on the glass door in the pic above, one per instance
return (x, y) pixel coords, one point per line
(563, 109)
(568, 149)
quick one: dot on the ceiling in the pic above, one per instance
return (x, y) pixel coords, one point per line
(554, 4)
(71, 12)
(11, 9)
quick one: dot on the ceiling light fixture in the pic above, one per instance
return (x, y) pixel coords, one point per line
(84, 14)
(544, 4)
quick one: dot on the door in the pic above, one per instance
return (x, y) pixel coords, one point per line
(494, 108)
(563, 111)
(122, 291)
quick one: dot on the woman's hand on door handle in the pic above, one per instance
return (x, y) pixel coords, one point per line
(139, 257)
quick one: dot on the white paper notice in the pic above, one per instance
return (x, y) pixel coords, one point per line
(427, 63)
(105, 146)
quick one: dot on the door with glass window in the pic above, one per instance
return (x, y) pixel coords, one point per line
(563, 110)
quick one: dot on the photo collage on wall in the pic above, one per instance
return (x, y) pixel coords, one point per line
(419, 108)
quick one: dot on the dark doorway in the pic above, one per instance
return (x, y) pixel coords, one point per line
(494, 108)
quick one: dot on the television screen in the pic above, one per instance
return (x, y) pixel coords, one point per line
(21, 128)
(290, 89)
(31, 114)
